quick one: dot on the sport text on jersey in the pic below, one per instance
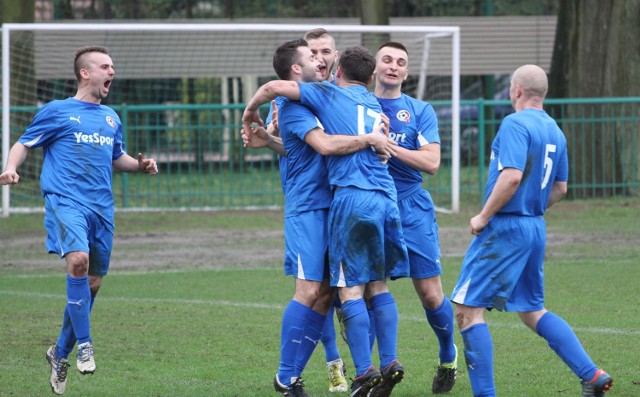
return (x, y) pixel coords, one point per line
(398, 137)
(93, 138)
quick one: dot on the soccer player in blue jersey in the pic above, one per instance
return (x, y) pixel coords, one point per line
(82, 144)
(323, 47)
(308, 196)
(414, 125)
(365, 234)
(503, 267)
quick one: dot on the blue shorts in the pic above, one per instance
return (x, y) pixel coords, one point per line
(72, 227)
(365, 235)
(503, 267)
(305, 245)
(420, 232)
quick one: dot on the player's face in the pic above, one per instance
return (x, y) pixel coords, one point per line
(324, 49)
(309, 65)
(101, 73)
(391, 66)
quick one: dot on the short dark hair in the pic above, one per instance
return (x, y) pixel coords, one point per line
(357, 64)
(78, 60)
(394, 44)
(286, 56)
(316, 33)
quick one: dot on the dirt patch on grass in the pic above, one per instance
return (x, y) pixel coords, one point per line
(234, 248)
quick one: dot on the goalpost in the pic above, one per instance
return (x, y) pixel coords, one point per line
(213, 65)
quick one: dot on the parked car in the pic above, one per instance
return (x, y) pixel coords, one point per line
(469, 116)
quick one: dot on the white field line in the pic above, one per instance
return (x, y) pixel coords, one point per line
(276, 307)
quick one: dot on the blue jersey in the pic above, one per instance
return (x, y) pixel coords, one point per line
(307, 185)
(413, 124)
(80, 141)
(349, 111)
(531, 142)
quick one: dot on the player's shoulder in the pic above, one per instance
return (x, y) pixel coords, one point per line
(320, 85)
(53, 108)
(415, 102)
(56, 104)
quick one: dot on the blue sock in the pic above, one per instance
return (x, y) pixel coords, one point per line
(565, 343)
(385, 313)
(356, 322)
(478, 353)
(293, 322)
(441, 321)
(79, 307)
(310, 338)
(67, 339)
(329, 337)
(372, 328)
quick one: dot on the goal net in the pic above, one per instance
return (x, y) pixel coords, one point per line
(180, 91)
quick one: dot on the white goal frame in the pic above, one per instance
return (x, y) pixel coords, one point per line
(428, 31)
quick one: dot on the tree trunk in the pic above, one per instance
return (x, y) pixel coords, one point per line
(596, 54)
(374, 12)
(21, 12)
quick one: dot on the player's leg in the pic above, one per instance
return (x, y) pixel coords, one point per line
(554, 329)
(294, 319)
(563, 341)
(420, 232)
(439, 313)
(355, 240)
(73, 246)
(478, 349)
(305, 260)
(319, 296)
(335, 366)
(99, 258)
(382, 303)
(490, 271)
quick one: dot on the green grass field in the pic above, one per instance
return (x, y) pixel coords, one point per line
(193, 303)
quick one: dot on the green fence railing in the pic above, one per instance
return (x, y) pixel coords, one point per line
(204, 165)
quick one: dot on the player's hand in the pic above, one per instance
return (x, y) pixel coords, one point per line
(148, 166)
(249, 118)
(274, 116)
(384, 146)
(385, 124)
(9, 177)
(257, 138)
(477, 224)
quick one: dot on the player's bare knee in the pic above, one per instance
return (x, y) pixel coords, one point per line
(431, 300)
(77, 263)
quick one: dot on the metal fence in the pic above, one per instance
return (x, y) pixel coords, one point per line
(203, 164)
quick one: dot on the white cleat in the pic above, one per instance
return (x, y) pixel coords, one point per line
(86, 363)
(59, 368)
(337, 380)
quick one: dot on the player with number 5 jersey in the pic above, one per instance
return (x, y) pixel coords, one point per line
(503, 267)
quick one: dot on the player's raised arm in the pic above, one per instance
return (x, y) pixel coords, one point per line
(267, 93)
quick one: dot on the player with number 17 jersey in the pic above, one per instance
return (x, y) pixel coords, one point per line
(365, 231)
(353, 109)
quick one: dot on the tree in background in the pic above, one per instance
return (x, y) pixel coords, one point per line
(596, 54)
